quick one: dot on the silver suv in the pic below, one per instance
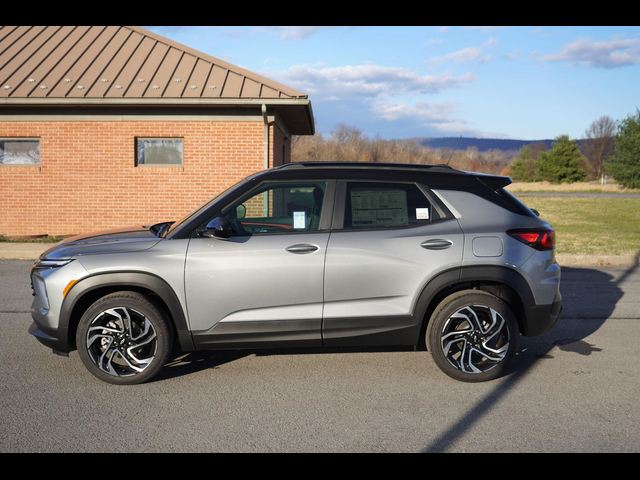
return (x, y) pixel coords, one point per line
(310, 255)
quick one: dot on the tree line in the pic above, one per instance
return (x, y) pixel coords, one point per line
(348, 144)
(608, 148)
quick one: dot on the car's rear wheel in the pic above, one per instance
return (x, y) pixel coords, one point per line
(124, 339)
(473, 336)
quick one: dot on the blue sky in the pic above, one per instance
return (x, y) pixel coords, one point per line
(527, 82)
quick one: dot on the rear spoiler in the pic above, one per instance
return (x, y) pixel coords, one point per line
(494, 182)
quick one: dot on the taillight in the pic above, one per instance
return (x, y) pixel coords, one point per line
(539, 238)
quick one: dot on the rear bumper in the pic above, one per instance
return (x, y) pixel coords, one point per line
(542, 319)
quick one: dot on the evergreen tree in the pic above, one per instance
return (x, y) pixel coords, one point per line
(563, 163)
(524, 169)
(625, 166)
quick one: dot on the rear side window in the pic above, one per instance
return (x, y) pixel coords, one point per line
(385, 205)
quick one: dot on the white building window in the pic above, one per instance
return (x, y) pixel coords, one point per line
(160, 152)
(20, 151)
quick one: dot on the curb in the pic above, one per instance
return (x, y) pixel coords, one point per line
(598, 260)
(22, 251)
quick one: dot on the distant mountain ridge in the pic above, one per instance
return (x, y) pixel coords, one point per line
(511, 148)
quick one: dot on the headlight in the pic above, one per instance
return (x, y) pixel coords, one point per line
(48, 264)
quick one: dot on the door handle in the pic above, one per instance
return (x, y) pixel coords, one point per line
(437, 244)
(302, 249)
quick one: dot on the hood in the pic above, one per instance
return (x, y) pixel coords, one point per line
(125, 240)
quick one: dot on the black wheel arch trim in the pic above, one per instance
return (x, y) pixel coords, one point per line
(449, 279)
(146, 281)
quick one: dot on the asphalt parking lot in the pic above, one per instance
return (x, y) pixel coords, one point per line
(575, 389)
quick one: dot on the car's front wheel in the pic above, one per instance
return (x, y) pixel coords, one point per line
(473, 336)
(124, 339)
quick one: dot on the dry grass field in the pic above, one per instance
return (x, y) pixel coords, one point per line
(586, 187)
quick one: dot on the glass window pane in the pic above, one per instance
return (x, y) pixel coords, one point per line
(19, 152)
(278, 208)
(383, 205)
(160, 152)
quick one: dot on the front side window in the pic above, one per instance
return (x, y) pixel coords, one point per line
(17, 151)
(278, 208)
(385, 205)
(160, 151)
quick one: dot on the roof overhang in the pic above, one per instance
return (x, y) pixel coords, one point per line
(295, 113)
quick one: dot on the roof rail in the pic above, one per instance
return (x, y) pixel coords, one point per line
(371, 165)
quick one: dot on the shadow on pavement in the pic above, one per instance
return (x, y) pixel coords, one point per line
(588, 294)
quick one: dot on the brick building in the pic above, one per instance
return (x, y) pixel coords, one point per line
(108, 126)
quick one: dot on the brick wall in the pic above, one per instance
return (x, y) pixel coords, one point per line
(88, 180)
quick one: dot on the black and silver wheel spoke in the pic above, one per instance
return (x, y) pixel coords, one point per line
(122, 342)
(475, 339)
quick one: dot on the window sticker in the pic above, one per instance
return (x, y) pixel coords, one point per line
(299, 220)
(422, 213)
(379, 207)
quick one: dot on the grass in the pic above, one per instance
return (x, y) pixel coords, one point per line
(4, 239)
(585, 187)
(592, 226)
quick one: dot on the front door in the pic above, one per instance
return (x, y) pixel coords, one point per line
(263, 286)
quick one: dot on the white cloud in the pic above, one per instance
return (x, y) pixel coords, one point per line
(429, 113)
(392, 94)
(492, 42)
(437, 116)
(366, 81)
(433, 41)
(468, 54)
(485, 29)
(296, 33)
(513, 55)
(614, 54)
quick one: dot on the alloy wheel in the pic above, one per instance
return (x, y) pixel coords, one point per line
(475, 339)
(122, 342)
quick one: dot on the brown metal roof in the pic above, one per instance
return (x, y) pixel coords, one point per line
(115, 62)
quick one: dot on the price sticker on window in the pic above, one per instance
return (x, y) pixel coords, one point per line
(299, 220)
(422, 213)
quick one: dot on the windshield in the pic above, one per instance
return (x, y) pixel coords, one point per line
(202, 208)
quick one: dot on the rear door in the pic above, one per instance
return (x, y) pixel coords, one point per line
(388, 240)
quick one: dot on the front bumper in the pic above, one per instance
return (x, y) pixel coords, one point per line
(55, 339)
(541, 319)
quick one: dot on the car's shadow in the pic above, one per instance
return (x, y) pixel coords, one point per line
(589, 295)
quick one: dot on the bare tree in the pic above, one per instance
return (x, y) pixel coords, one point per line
(599, 144)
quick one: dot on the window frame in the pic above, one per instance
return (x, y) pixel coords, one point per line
(340, 207)
(157, 165)
(24, 139)
(326, 216)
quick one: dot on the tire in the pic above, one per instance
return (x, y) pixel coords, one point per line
(473, 336)
(123, 339)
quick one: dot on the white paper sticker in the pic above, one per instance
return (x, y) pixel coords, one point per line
(422, 213)
(299, 220)
(379, 207)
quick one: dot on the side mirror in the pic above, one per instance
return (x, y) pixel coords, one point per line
(219, 227)
(241, 212)
(535, 212)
